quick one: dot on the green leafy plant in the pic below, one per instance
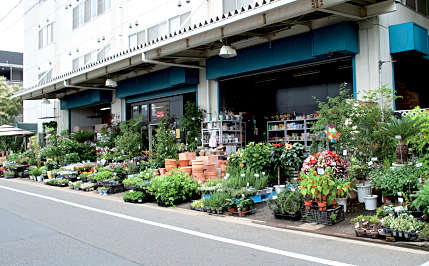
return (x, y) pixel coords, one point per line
(191, 122)
(399, 179)
(130, 144)
(134, 195)
(36, 171)
(421, 200)
(81, 136)
(164, 143)
(173, 187)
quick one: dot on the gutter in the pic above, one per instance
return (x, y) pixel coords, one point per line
(155, 62)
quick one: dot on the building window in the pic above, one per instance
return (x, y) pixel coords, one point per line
(157, 31)
(44, 76)
(232, 5)
(88, 10)
(420, 6)
(83, 60)
(159, 110)
(145, 113)
(177, 21)
(104, 52)
(137, 39)
(46, 36)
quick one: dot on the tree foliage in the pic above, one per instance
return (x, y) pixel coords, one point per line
(9, 108)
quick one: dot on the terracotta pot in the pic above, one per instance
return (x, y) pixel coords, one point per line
(223, 167)
(197, 166)
(202, 153)
(210, 167)
(183, 163)
(222, 175)
(174, 164)
(199, 177)
(211, 175)
(162, 171)
(231, 211)
(308, 204)
(188, 169)
(322, 206)
(168, 167)
(334, 204)
(169, 161)
(241, 213)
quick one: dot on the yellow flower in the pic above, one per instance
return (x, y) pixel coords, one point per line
(241, 165)
(257, 155)
(260, 143)
(241, 155)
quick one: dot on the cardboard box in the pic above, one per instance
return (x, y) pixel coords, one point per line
(79, 128)
(99, 127)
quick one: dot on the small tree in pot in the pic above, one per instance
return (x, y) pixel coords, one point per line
(405, 128)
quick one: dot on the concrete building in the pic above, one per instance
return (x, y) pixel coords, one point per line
(163, 53)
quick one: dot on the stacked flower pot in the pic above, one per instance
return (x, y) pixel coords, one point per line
(211, 172)
(198, 170)
(184, 165)
(223, 168)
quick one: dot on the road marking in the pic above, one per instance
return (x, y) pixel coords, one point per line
(190, 232)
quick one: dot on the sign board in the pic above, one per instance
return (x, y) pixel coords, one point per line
(398, 137)
(419, 164)
(159, 114)
(374, 159)
(320, 171)
(177, 133)
(345, 152)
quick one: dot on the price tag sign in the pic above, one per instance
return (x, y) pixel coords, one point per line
(334, 164)
(401, 200)
(225, 177)
(256, 175)
(147, 174)
(247, 184)
(320, 171)
(274, 197)
(345, 152)
(131, 190)
(78, 177)
(103, 161)
(374, 159)
(292, 189)
(199, 182)
(420, 179)
(398, 137)
(392, 168)
(419, 164)
(243, 175)
(398, 208)
(263, 173)
(242, 195)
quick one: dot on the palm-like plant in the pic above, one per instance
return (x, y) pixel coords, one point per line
(82, 136)
(404, 127)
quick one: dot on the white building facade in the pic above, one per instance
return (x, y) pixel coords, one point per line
(163, 53)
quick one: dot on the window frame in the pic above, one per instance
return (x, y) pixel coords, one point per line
(46, 35)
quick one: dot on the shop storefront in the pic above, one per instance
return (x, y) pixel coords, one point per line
(87, 109)
(284, 76)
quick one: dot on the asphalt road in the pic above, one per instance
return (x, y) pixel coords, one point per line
(43, 225)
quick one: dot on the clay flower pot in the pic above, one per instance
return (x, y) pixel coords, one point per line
(211, 175)
(199, 177)
(210, 167)
(188, 169)
(183, 163)
(322, 206)
(231, 211)
(308, 204)
(162, 171)
(197, 166)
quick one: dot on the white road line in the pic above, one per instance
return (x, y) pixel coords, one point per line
(190, 232)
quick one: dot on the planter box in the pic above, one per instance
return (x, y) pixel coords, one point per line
(313, 215)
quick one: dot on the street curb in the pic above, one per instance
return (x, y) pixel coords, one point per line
(363, 239)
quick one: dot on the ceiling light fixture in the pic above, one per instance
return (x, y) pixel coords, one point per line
(110, 82)
(227, 51)
(179, 3)
(105, 108)
(45, 101)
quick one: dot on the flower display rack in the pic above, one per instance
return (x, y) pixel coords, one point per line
(367, 234)
(289, 217)
(256, 198)
(330, 216)
(400, 235)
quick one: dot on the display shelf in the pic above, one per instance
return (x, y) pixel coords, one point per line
(286, 128)
(228, 133)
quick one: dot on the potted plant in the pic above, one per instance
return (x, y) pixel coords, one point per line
(322, 187)
(401, 128)
(230, 205)
(344, 187)
(8, 174)
(37, 172)
(243, 205)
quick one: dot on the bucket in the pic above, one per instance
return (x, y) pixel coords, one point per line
(342, 201)
(370, 202)
(362, 191)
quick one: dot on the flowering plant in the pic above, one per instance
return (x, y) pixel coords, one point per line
(322, 187)
(324, 160)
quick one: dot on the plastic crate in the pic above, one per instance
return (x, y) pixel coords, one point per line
(313, 215)
(290, 217)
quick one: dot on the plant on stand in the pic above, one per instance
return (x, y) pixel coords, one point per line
(320, 186)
